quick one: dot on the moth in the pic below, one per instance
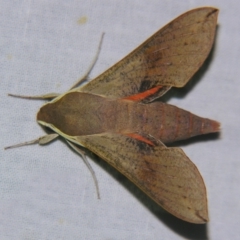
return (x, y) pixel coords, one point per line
(115, 115)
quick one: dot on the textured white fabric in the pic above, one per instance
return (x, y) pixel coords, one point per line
(47, 192)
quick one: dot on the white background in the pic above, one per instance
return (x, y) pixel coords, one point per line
(47, 192)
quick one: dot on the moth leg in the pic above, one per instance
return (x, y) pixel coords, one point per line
(48, 96)
(83, 155)
(41, 141)
(85, 76)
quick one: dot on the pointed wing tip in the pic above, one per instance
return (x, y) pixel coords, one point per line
(214, 9)
(195, 217)
(202, 217)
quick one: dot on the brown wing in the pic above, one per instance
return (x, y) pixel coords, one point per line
(164, 174)
(169, 58)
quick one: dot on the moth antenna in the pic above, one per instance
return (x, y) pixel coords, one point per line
(85, 76)
(83, 155)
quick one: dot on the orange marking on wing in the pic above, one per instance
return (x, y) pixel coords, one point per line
(143, 95)
(140, 138)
